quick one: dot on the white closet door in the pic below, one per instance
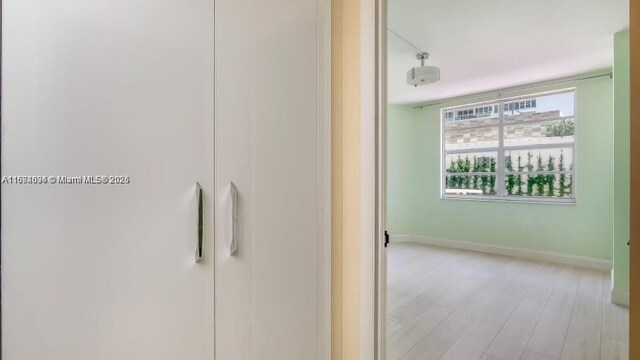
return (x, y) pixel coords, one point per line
(107, 87)
(269, 294)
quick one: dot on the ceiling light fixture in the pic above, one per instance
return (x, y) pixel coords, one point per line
(422, 75)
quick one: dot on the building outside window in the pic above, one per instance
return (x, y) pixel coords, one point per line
(526, 152)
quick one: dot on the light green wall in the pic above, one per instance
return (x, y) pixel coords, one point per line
(585, 229)
(621, 167)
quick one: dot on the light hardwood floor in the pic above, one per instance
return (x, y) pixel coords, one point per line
(455, 304)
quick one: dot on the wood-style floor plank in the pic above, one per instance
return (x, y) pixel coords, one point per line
(438, 289)
(489, 357)
(472, 345)
(455, 304)
(392, 326)
(406, 285)
(614, 340)
(530, 355)
(443, 336)
(583, 336)
(549, 335)
(423, 319)
(514, 335)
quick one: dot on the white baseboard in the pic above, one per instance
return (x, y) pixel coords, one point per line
(581, 261)
(620, 297)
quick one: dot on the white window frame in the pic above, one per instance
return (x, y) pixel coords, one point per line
(501, 149)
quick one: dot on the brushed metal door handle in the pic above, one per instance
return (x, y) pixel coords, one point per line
(233, 248)
(200, 224)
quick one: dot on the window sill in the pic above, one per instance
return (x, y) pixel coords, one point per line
(542, 201)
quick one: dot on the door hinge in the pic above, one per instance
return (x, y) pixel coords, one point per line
(386, 238)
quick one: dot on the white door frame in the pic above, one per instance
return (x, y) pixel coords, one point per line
(381, 178)
(373, 195)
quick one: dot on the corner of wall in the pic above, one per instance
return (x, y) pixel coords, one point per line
(621, 91)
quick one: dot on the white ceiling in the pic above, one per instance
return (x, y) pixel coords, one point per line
(492, 44)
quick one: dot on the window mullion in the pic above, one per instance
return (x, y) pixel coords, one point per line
(500, 166)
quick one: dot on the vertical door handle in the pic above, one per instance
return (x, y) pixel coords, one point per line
(200, 224)
(233, 248)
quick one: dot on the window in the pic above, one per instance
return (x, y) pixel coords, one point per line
(516, 106)
(470, 113)
(525, 152)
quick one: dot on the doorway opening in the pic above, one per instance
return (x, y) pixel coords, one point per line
(506, 180)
